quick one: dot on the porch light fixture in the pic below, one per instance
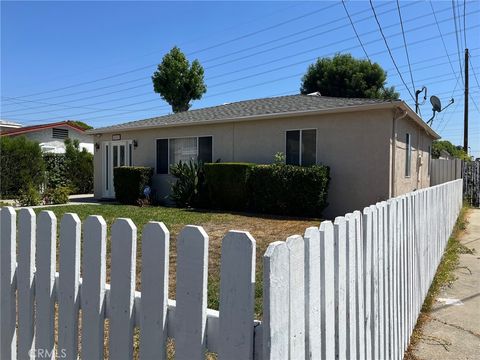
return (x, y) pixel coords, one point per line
(97, 145)
(135, 143)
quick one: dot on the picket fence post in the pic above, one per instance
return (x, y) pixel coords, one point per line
(25, 283)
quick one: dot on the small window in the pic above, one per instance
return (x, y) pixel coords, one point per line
(408, 155)
(58, 133)
(301, 147)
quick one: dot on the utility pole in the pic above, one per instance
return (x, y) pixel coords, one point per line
(465, 110)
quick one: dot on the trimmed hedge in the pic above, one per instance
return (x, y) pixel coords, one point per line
(227, 184)
(129, 182)
(289, 189)
(21, 165)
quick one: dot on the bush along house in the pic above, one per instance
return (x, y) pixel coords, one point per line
(376, 149)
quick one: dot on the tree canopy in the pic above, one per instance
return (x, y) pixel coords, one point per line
(455, 151)
(345, 76)
(80, 124)
(177, 81)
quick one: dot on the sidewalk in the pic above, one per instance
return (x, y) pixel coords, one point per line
(453, 331)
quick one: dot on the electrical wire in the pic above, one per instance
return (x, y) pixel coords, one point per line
(406, 47)
(389, 51)
(225, 74)
(229, 54)
(241, 37)
(254, 66)
(458, 41)
(355, 31)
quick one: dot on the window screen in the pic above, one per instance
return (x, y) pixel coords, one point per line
(309, 147)
(301, 147)
(182, 149)
(292, 151)
(205, 149)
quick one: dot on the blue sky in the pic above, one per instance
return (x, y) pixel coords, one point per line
(92, 61)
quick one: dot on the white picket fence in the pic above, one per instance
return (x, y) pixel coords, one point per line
(348, 289)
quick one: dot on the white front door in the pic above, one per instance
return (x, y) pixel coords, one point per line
(115, 153)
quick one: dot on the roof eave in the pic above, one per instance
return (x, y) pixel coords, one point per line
(414, 116)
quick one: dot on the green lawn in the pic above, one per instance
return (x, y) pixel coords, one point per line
(265, 229)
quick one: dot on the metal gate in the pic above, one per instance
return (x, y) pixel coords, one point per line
(471, 182)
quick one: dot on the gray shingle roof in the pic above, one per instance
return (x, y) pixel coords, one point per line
(240, 109)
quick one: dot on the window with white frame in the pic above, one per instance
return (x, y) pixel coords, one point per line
(301, 147)
(172, 151)
(408, 155)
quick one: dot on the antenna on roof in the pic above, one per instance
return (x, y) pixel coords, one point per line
(437, 107)
(417, 93)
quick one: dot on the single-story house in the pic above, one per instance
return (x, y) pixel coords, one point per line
(51, 137)
(376, 149)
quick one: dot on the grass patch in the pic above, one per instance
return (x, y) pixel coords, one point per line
(443, 277)
(264, 228)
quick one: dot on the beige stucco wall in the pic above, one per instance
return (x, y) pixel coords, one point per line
(420, 141)
(356, 146)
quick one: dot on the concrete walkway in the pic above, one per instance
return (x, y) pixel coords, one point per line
(453, 331)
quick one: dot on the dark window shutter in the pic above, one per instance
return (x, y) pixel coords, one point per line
(162, 156)
(205, 149)
(292, 151)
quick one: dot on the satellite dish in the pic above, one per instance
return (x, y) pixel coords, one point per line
(436, 103)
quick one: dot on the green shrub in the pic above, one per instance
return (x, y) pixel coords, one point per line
(29, 196)
(79, 165)
(56, 170)
(21, 165)
(58, 195)
(289, 189)
(187, 190)
(227, 184)
(130, 181)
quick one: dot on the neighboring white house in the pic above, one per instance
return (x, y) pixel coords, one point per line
(6, 125)
(51, 137)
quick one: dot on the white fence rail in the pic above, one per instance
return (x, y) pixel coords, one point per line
(348, 289)
(443, 171)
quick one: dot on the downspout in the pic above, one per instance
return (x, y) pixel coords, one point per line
(403, 113)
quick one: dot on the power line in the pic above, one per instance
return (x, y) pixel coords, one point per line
(474, 72)
(263, 51)
(389, 51)
(310, 13)
(457, 37)
(229, 54)
(405, 43)
(224, 74)
(464, 22)
(355, 30)
(166, 106)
